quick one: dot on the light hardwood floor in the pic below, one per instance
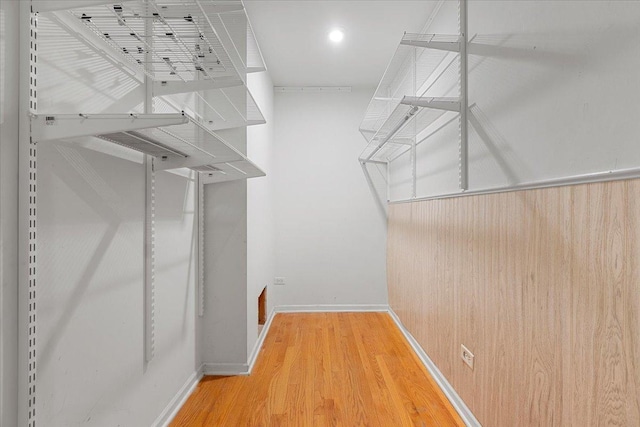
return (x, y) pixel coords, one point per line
(325, 369)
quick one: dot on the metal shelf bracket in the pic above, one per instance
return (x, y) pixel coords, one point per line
(430, 44)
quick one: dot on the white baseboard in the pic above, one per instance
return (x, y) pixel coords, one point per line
(458, 404)
(226, 369)
(172, 408)
(258, 346)
(331, 308)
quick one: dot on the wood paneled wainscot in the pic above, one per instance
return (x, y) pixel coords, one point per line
(543, 286)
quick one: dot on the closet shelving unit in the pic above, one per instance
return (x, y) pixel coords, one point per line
(191, 58)
(403, 112)
(187, 57)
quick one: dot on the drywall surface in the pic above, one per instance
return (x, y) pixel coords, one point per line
(549, 85)
(91, 366)
(9, 107)
(261, 257)
(224, 325)
(239, 244)
(330, 230)
(90, 330)
(541, 285)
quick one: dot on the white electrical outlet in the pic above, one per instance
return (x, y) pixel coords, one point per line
(467, 356)
(279, 281)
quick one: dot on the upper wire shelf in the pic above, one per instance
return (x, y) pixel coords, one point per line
(196, 54)
(225, 108)
(255, 61)
(414, 70)
(186, 39)
(234, 26)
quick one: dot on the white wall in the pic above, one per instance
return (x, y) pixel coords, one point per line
(9, 69)
(90, 366)
(224, 330)
(261, 257)
(239, 245)
(330, 232)
(551, 87)
(224, 324)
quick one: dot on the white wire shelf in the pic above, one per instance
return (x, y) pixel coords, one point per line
(450, 43)
(418, 63)
(233, 27)
(50, 127)
(199, 51)
(225, 108)
(229, 171)
(177, 140)
(189, 40)
(255, 61)
(411, 118)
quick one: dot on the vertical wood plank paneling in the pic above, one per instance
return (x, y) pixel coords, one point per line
(631, 306)
(542, 285)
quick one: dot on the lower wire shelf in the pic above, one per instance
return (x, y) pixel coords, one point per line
(410, 119)
(175, 140)
(230, 171)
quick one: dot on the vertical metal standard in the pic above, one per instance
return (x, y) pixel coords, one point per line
(464, 98)
(149, 220)
(388, 168)
(200, 225)
(27, 275)
(413, 140)
(149, 260)
(200, 105)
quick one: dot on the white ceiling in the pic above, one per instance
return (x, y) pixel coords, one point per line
(293, 37)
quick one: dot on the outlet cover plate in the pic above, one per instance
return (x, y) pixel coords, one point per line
(467, 356)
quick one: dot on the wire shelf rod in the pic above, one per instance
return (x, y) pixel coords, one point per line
(405, 120)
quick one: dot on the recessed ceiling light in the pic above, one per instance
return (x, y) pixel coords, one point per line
(336, 35)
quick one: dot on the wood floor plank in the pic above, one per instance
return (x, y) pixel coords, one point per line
(325, 369)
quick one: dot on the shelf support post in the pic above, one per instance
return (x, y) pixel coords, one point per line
(149, 258)
(464, 99)
(200, 225)
(149, 220)
(413, 140)
(200, 304)
(27, 232)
